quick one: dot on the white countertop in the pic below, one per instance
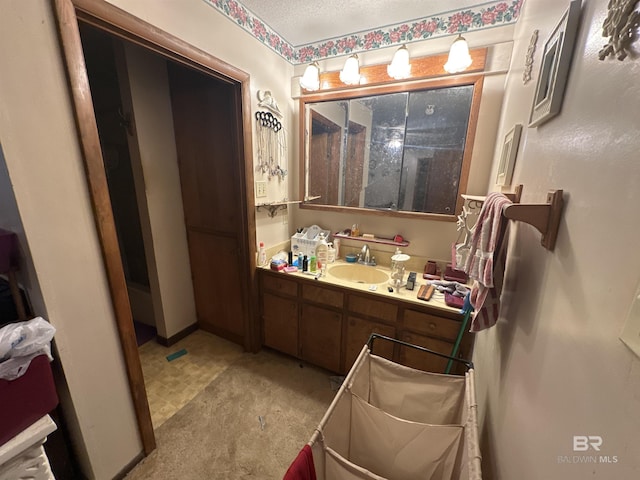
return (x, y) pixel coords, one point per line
(436, 301)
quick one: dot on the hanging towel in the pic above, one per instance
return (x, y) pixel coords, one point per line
(302, 467)
(486, 261)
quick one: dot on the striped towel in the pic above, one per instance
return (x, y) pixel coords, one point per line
(486, 261)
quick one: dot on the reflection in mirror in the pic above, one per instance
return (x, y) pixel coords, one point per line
(406, 151)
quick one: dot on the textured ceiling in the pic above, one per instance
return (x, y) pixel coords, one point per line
(301, 22)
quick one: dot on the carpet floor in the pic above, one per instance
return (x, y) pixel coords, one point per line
(219, 434)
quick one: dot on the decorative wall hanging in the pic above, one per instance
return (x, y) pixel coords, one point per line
(272, 146)
(554, 67)
(266, 100)
(620, 26)
(508, 157)
(528, 61)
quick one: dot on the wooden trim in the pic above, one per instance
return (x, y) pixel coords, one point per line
(99, 192)
(115, 21)
(422, 68)
(469, 142)
(476, 80)
(173, 339)
(380, 213)
(130, 466)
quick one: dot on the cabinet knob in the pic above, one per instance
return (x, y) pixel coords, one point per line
(432, 326)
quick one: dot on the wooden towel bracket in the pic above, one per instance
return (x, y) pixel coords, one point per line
(545, 217)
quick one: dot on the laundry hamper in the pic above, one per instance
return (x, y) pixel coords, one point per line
(392, 422)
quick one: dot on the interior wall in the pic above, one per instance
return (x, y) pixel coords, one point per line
(202, 26)
(158, 178)
(45, 166)
(553, 366)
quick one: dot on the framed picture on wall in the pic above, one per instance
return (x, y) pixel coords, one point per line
(508, 157)
(554, 67)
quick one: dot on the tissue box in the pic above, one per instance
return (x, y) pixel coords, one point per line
(26, 399)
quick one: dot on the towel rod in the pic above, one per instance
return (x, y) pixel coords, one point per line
(545, 217)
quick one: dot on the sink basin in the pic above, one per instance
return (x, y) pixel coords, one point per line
(358, 273)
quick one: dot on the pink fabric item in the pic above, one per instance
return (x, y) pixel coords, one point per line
(302, 467)
(486, 261)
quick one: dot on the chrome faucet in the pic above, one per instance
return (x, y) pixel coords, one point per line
(365, 257)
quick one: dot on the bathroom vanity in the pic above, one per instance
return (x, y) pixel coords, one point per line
(326, 321)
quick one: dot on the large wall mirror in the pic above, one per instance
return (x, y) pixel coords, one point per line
(403, 150)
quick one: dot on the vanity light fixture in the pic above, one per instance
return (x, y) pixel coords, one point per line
(311, 78)
(350, 73)
(400, 68)
(459, 58)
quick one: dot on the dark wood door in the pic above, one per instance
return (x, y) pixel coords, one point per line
(206, 123)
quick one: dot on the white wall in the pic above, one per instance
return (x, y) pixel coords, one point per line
(45, 166)
(159, 180)
(553, 366)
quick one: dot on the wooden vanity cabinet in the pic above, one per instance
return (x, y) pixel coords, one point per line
(327, 325)
(279, 312)
(280, 323)
(358, 332)
(437, 333)
(320, 336)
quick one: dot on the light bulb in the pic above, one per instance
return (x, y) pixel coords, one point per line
(459, 58)
(311, 78)
(350, 73)
(400, 67)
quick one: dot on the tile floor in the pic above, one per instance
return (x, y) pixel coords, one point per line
(172, 384)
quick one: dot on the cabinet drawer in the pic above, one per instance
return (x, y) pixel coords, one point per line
(431, 325)
(422, 360)
(373, 308)
(325, 296)
(275, 283)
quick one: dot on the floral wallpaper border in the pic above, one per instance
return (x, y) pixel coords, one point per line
(487, 15)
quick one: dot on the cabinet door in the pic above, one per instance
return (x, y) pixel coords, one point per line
(422, 360)
(358, 332)
(320, 336)
(280, 323)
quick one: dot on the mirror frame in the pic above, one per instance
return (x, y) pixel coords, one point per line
(477, 80)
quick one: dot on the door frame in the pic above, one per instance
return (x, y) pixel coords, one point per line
(113, 20)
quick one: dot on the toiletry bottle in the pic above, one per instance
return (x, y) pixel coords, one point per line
(312, 264)
(262, 255)
(331, 253)
(305, 264)
(322, 251)
(336, 246)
